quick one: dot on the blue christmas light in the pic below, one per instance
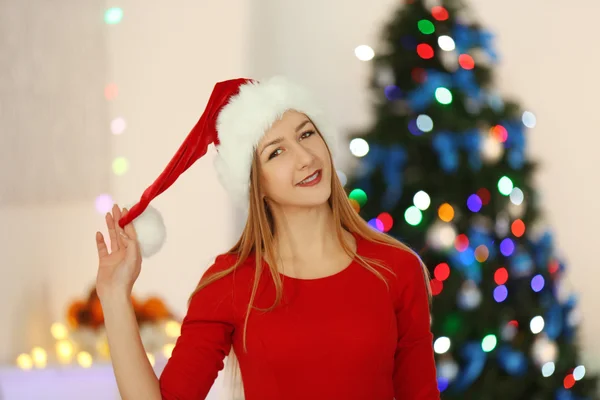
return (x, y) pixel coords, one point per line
(500, 293)
(537, 283)
(507, 246)
(474, 203)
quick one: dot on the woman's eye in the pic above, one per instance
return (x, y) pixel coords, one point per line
(303, 136)
(273, 154)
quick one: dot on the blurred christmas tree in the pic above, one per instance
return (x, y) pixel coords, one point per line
(444, 169)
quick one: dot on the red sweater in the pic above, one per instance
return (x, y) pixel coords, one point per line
(339, 337)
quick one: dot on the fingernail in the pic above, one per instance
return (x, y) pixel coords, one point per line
(124, 235)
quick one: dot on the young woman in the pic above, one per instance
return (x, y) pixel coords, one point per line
(310, 303)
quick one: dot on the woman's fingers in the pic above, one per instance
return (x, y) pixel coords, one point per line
(101, 245)
(117, 216)
(129, 228)
(112, 232)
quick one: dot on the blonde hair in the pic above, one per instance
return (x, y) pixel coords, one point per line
(258, 236)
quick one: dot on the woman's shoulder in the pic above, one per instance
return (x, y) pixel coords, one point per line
(226, 261)
(404, 262)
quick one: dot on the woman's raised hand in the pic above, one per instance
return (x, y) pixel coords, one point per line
(119, 269)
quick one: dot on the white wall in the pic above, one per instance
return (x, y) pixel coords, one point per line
(166, 60)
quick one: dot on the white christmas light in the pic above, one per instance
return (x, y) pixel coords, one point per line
(579, 372)
(537, 324)
(446, 43)
(422, 200)
(516, 196)
(359, 147)
(364, 52)
(441, 345)
(529, 119)
(548, 369)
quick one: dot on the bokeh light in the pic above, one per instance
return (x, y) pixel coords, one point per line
(466, 61)
(120, 165)
(111, 91)
(537, 283)
(441, 272)
(529, 119)
(446, 43)
(424, 123)
(413, 216)
(436, 286)
(443, 95)
(518, 228)
(113, 15)
(536, 324)
(499, 132)
(505, 185)
(359, 196)
(386, 220)
(439, 13)
(501, 276)
(461, 243)
(474, 203)
(425, 51)
(489, 343)
(359, 147)
(364, 52)
(422, 200)
(507, 247)
(117, 126)
(517, 196)
(446, 212)
(426, 27)
(482, 253)
(104, 203)
(500, 293)
(441, 345)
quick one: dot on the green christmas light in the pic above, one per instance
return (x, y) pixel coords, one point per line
(443, 95)
(489, 343)
(426, 27)
(505, 185)
(359, 196)
(120, 165)
(413, 216)
(113, 15)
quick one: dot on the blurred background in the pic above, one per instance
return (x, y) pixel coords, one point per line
(96, 97)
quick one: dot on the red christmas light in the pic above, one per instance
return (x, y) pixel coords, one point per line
(436, 286)
(419, 75)
(386, 220)
(501, 276)
(425, 51)
(441, 272)
(484, 195)
(518, 228)
(439, 13)
(466, 61)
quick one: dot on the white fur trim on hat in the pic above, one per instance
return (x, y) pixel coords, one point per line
(150, 230)
(246, 118)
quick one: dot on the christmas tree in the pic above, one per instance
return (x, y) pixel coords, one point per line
(443, 168)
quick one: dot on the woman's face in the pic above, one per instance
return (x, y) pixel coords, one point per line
(289, 153)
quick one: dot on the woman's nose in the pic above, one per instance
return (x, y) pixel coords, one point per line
(303, 156)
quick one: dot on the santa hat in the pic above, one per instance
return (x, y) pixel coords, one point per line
(238, 113)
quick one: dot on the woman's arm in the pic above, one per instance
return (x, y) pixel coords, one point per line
(414, 372)
(134, 374)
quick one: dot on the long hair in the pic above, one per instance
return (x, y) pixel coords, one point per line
(258, 236)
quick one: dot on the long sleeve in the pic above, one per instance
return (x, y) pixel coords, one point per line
(205, 340)
(414, 370)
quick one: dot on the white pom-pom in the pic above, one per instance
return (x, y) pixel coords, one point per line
(151, 231)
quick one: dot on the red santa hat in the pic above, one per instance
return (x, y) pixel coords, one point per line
(238, 113)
